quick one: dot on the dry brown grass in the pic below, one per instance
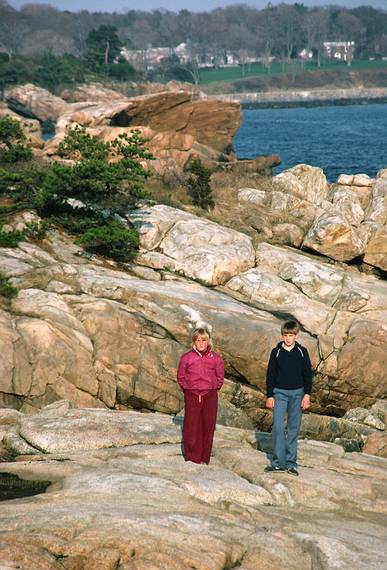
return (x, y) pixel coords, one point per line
(248, 218)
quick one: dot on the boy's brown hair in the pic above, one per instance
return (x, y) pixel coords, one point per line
(290, 327)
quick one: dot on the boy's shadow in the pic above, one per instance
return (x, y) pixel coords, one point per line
(264, 443)
(262, 438)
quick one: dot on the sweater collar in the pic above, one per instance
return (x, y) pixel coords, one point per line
(201, 354)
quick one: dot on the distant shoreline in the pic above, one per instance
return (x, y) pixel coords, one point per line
(306, 98)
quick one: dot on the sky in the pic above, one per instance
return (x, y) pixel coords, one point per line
(176, 5)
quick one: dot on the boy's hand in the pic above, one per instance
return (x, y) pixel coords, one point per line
(305, 403)
(270, 403)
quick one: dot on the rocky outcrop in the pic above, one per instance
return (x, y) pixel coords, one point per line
(352, 223)
(211, 123)
(179, 124)
(36, 103)
(306, 182)
(192, 246)
(376, 250)
(344, 308)
(344, 221)
(66, 334)
(172, 151)
(261, 164)
(96, 92)
(123, 496)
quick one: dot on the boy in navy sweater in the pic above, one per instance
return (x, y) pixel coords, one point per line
(289, 385)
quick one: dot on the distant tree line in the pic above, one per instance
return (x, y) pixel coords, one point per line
(85, 42)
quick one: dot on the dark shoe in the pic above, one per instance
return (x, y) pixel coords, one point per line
(270, 468)
(292, 471)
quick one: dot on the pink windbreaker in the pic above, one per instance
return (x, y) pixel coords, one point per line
(200, 372)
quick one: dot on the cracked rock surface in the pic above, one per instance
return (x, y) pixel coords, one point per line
(123, 498)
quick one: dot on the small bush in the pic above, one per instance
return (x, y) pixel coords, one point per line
(198, 185)
(76, 221)
(111, 239)
(13, 146)
(6, 289)
(35, 231)
(10, 239)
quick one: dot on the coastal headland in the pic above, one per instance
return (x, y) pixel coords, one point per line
(90, 411)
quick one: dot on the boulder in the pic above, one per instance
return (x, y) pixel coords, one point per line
(362, 361)
(360, 194)
(325, 428)
(366, 417)
(376, 250)
(252, 195)
(304, 181)
(360, 180)
(287, 208)
(200, 249)
(36, 103)
(267, 291)
(288, 234)
(332, 235)
(377, 208)
(376, 444)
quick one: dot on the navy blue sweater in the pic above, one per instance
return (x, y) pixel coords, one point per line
(289, 369)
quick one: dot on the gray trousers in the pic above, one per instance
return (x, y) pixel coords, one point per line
(284, 436)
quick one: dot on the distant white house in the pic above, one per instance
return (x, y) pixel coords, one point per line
(306, 54)
(343, 51)
(151, 57)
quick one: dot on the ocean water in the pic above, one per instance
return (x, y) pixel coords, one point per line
(340, 139)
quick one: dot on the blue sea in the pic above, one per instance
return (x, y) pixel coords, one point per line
(340, 139)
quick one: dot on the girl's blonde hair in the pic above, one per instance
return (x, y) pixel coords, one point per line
(201, 331)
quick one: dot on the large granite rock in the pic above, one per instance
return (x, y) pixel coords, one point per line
(36, 103)
(211, 123)
(193, 246)
(121, 495)
(333, 235)
(376, 444)
(304, 181)
(376, 250)
(65, 335)
(342, 307)
(96, 92)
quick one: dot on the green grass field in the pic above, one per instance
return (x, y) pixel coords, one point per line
(252, 70)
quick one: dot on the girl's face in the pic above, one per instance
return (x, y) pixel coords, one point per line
(201, 343)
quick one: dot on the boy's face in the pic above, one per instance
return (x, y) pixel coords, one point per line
(289, 338)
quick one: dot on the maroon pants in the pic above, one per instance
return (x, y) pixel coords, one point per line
(199, 425)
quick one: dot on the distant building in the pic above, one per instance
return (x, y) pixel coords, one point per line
(343, 51)
(305, 54)
(149, 58)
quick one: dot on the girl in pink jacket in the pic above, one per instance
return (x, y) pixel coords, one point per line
(200, 375)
